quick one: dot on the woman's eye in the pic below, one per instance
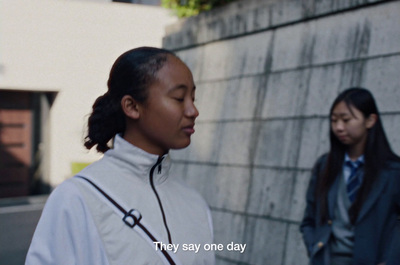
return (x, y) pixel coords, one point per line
(179, 99)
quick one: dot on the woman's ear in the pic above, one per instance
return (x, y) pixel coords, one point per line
(130, 107)
(371, 120)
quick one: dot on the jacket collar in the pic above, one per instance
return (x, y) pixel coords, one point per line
(139, 162)
(373, 196)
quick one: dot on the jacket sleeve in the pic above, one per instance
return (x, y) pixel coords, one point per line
(66, 232)
(394, 253)
(308, 223)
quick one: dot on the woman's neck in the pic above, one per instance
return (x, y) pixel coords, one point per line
(143, 143)
(355, 152)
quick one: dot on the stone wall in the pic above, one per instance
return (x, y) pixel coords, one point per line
(266, 73)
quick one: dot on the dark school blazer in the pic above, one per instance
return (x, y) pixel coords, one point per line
(377, 229)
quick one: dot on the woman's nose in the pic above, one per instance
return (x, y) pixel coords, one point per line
(191, 110)
(338, 126)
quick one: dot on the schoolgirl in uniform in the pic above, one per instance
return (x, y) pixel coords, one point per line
(127, 208)
(353, 199)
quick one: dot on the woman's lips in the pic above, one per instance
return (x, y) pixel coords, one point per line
(189, 129)
(342, 137)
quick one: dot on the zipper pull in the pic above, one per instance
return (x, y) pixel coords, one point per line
(160, 159)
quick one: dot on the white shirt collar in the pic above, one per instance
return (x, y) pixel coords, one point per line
(359, 159)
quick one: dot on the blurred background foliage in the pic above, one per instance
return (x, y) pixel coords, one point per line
(188, 8)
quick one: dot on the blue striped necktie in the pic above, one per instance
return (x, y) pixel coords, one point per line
(355, 180)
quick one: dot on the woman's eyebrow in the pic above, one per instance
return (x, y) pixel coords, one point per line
(181, 86)
(178, 87)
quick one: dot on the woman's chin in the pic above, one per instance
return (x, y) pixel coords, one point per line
(181, 145)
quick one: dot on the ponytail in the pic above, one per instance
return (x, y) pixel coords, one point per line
(106, 120)
(132, 73)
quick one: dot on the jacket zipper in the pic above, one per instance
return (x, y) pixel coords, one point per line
(158, 163)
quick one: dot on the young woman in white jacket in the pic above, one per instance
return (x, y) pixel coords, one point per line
(127, 208)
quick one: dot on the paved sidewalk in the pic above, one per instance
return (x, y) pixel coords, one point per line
(18, 219)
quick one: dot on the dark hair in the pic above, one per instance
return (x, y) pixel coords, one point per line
(376, 153)
(132, 73)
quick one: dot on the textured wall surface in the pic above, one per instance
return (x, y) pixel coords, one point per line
(266, 73)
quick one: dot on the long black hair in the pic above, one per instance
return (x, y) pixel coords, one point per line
(131, 74)
(377, 152)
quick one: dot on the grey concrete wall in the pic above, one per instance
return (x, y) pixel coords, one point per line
(266, 73)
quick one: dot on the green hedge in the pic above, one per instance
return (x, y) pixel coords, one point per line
(187, 8)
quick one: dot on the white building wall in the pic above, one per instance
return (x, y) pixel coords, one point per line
(69, 47)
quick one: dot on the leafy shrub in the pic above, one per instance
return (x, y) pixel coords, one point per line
(187, 8)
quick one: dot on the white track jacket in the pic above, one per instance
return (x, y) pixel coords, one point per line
(80, 226)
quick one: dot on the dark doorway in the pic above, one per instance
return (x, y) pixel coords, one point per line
(20, 138)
